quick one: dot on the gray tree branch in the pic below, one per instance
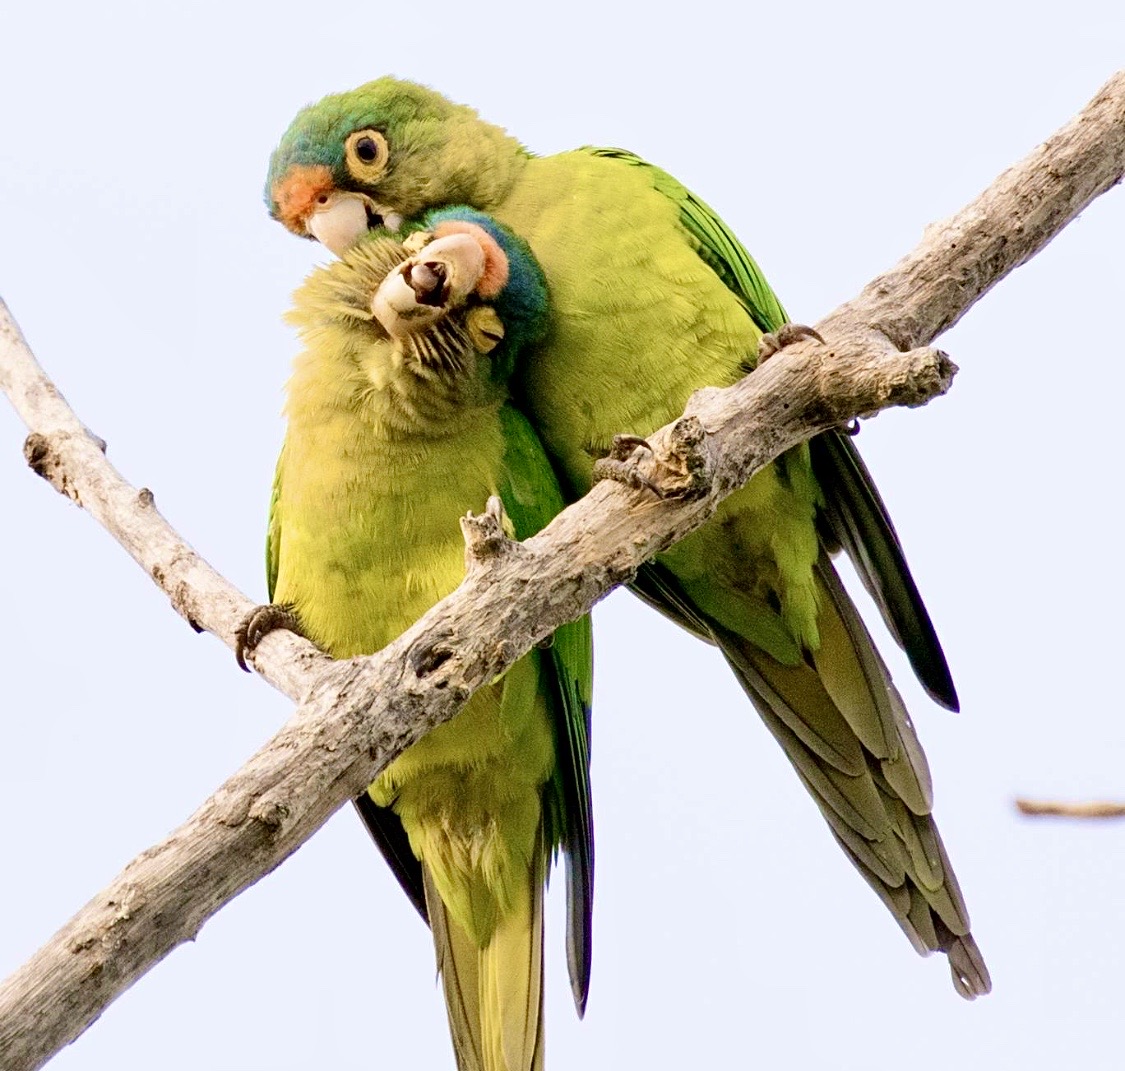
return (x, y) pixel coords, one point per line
(1059, 809)
(353, 717)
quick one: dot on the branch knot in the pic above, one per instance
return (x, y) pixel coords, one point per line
(46, 460)
(487, 536)
(688, 466)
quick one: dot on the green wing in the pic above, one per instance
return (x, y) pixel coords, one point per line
(273, 529)
(531, 496)
(381, 822)
(854, 516)
(717, 244)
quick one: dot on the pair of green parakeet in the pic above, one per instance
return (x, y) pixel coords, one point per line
(495, 319)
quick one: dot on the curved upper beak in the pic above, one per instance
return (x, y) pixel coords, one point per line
(307, 202)
(339, 222)
(342, 218)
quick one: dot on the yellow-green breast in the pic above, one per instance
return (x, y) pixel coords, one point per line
(376, 469)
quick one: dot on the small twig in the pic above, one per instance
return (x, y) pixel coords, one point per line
(1040, 808)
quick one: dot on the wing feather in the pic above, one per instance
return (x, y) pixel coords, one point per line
(532, 497)
(854, 515)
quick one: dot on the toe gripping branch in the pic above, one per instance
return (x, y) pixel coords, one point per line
(683, 471)
(257, 624)
(785, 335)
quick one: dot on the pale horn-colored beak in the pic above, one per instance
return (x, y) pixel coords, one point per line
(345, 217)
(436, 280)
(340, 222)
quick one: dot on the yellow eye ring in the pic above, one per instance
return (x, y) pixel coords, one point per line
(366, 154)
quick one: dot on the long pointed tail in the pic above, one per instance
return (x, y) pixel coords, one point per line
(494, 993)
(845, 729)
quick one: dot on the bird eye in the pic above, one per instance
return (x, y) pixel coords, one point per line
(366, 154)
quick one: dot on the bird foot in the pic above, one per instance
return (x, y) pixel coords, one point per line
(684, 471)
(622, 464)
(257, 624)
(785, 335)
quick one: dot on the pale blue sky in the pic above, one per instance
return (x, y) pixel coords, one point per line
(729, 929)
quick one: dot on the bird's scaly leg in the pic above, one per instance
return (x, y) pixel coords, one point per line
(620, 464)
(785, 335)
(682, 470)
(261, 621)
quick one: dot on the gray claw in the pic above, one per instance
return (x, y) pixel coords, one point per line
(621, 466)
(626, 472)
(785, 335)
(261, 621)
(624, 445)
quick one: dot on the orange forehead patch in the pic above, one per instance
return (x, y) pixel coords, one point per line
(298, 191)
(495, 262)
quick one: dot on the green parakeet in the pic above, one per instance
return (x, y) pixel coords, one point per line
(398, 424)
(652, 296)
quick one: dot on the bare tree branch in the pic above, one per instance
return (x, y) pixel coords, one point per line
(354, 717)
(1041, 808)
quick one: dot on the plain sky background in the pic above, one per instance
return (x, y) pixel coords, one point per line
(729, 930)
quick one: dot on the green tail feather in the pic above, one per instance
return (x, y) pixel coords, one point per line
(843, 726)
(494, 994)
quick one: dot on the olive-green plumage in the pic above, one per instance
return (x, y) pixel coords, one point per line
(652, 297)
(387, 447)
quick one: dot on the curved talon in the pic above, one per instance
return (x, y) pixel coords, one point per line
(623, 471)
(683, 472)
(851, 427)
(261, 621)
(624, 445)
(785, 335)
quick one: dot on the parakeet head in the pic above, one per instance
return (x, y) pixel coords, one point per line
(381, 154)
(444, 299)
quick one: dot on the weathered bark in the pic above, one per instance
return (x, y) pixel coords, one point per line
(354, 717)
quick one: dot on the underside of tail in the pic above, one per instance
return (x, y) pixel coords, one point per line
(843, 726)
(494, 993)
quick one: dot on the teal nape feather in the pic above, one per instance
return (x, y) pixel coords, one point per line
(652, 297)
